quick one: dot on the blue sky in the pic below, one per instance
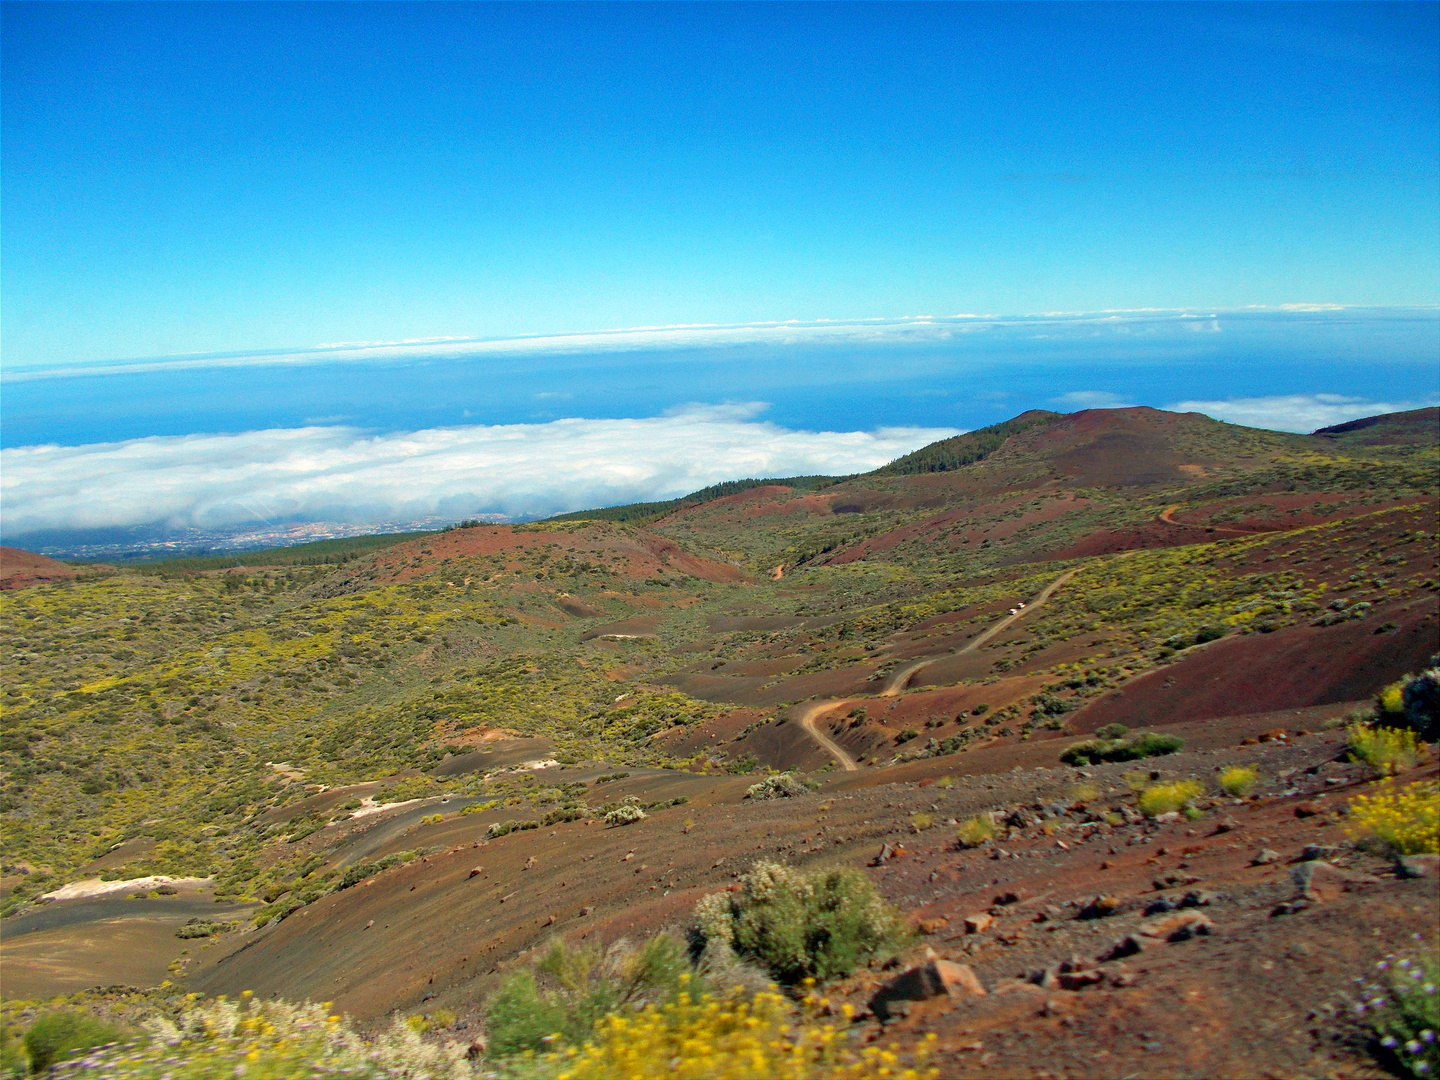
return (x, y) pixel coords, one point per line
(189, 178)
(220, 220)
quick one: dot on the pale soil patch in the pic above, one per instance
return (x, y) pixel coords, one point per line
(92, 887)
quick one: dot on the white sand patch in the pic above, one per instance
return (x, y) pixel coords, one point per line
(92, 887)
(369, 806)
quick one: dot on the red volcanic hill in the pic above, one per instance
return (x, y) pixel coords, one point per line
(19, 569)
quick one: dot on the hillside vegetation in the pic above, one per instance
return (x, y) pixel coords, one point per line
(401, 766)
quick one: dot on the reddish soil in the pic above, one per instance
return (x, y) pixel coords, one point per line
(636, 556)
(1290, 668)
(1230, 1004)
(21, 569)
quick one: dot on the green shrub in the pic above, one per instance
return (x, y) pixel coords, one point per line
(906, 735)
(624, 814)
(59, 1035)
(1421, 699)
(1165, 798)
(1097, 750)
(1112, 732)
(784, 786)
(570, 989)
(819, 925)
(13, 1060)
(1403, 1008)
(1238, 780)
(975, 831)
(360, 871)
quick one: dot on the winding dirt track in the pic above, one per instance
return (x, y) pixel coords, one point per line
(901, 678)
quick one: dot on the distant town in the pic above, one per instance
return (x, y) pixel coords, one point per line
(156, 542)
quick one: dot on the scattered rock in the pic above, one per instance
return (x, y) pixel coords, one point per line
(1047, 978)
(1319, 881)
(1265, 857)
(1318, 851)
(1123, 979)
(1078, 980)
(1308, 809)
(1229, 824)
(1198, 898)
(586, 910)
(1162, 819)
(1101, 907)
(934, 978)
(1126, 946)
(1179, 927)
(885, 854)
(1160, 906)
(1418, 866)
(977, 923)
(1014, 986)
(475, 871)
(932, 926)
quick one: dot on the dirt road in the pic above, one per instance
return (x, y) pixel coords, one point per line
(897, 682)
(901, 678)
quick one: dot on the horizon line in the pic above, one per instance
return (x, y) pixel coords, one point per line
(874, 330)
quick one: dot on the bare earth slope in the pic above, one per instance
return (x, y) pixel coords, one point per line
(356, 755)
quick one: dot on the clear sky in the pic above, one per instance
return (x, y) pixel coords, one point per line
(227, 177)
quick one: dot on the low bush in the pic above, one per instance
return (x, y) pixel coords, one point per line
(360, 871)
(784, 786)
(267, 1041)
(1421, 699)
(975, 831)
(624, 814)
(570, 990)
(819, 925)
(1165, 798)
(59, 1035)
(1238, 780)
(1112, 731)
(1403, 1007)
(1400, 820)
(1386, 750)
(1097, 750)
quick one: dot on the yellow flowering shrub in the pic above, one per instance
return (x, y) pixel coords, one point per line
(1386, 750)
(1238, 780)
(1406, 821)
(1163, 798)
(706, 1038)
(975, 831)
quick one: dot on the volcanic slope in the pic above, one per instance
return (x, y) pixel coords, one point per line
(286, 730)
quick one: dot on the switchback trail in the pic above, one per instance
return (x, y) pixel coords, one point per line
(901, 678)
(1167, 516)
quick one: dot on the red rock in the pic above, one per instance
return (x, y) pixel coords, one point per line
(977, 923)
(935, 978)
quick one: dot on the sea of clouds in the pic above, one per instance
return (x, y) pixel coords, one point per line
(344, 474)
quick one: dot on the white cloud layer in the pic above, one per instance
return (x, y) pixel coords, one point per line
(1294, 412)
(1133, 325)
(342, 474)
